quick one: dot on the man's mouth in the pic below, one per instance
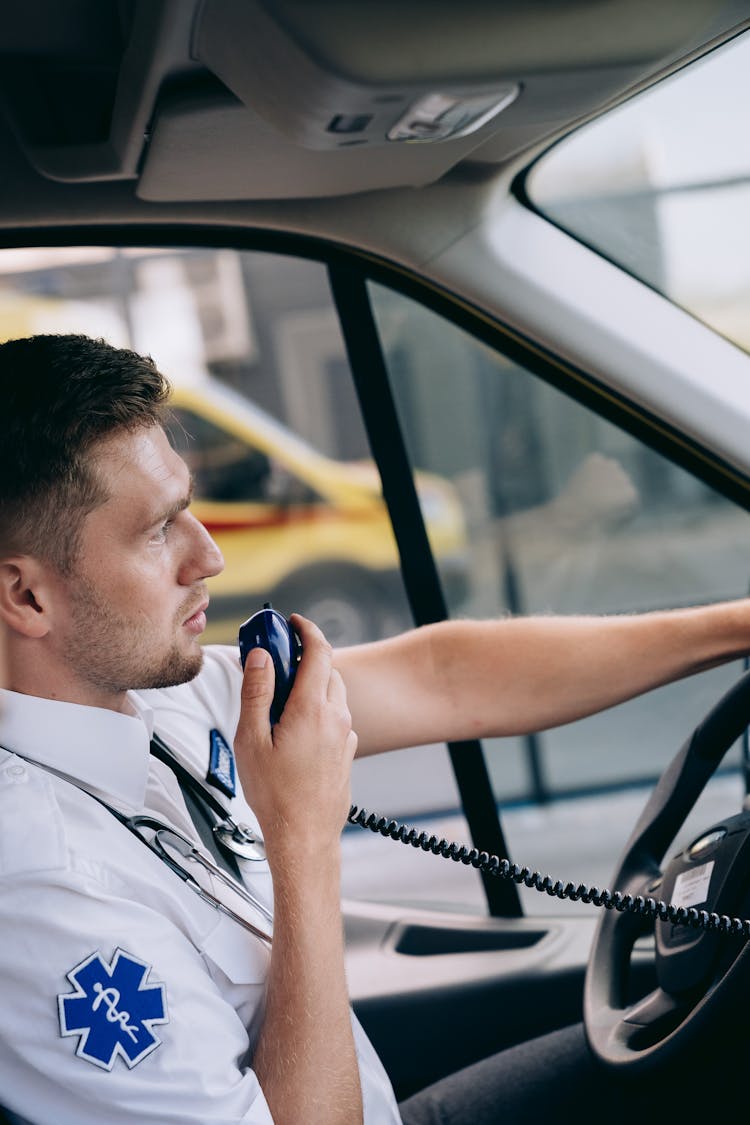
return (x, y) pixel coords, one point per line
(196, 622)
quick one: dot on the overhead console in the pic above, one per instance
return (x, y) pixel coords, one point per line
(245, 99)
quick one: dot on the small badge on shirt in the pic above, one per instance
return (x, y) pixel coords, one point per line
(221, 767)
(112, 1009)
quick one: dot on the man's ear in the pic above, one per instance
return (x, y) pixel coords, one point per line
(26, 595)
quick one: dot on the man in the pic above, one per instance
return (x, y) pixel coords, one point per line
(126, 997)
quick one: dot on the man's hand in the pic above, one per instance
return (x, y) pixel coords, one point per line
(296, 774)
(296, 777)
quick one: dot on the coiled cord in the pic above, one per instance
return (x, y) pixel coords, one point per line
(642, 905)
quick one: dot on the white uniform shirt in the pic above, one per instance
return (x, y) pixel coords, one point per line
(125, 997)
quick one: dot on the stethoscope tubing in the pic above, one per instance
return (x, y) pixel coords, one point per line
(190, 852)
(233, 837)
(144, 820)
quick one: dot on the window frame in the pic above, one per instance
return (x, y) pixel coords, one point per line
(349, 271)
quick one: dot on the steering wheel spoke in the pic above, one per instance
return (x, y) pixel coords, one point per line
(642, 1024)
(654, 1011)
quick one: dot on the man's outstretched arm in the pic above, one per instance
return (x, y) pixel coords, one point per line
(296, 777)
(467, 679)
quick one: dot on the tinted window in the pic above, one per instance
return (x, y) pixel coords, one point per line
(269, 421)
(565, 513)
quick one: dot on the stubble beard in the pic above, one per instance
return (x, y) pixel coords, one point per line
(115, 654)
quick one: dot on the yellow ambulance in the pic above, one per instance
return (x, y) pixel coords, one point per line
(297, 528)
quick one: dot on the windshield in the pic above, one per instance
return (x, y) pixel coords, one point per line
(661, 186)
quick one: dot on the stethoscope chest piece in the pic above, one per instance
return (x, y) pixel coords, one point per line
(241, 840)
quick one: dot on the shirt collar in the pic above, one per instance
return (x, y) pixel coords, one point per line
(105, 752)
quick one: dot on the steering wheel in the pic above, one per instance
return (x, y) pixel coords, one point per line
(701, 975)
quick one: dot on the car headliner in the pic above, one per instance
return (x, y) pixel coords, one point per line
(161, 120)
(116, 111)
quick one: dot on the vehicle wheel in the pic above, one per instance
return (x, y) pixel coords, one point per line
(346, 608)
(702, 975)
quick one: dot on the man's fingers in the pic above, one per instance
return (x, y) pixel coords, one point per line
(257, 692)
(315, 666)
(337, 700)
(336, 688)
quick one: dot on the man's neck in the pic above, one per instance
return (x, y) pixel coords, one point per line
(65, 689)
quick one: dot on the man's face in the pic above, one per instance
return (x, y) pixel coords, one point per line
(136, 597)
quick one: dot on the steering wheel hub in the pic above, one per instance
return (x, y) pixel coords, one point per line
(707, 875)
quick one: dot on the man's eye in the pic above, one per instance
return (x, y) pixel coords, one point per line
(161, 532)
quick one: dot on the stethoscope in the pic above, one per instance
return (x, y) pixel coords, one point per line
(236, 838)
(165, 838)
(239, 839)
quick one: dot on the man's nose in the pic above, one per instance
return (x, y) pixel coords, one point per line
(204, 560)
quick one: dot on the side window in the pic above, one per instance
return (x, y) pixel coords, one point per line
(267, 416)
(565, 513)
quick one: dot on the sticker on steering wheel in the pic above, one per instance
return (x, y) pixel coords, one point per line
(691, 887)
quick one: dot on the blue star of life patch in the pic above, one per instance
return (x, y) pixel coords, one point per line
(111, 1009)
(221, 767)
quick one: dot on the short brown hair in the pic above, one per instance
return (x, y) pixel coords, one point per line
(60, 396)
